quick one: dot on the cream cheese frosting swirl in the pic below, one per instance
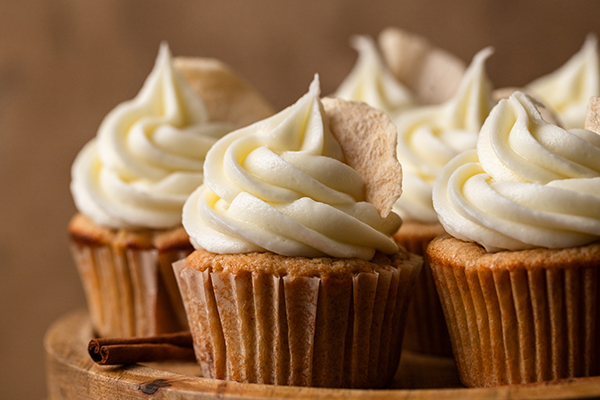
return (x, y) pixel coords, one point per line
(148, 154)
(372, 82)
(528, 184)
(567, 90)
(281, 185)
(429, 137)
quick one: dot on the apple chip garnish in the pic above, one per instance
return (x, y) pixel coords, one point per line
(368, 139)
(592, 115)
(432, 73)
(228, 97)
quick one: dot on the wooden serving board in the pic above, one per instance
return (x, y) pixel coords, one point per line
(72, 374)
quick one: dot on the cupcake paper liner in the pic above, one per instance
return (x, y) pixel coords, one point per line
(130, 292)
(340, 331)
(521, 325)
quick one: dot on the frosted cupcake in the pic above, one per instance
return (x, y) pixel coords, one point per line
(518, 278)
(296, 279)
(129, 184)
(567, 90)
(428, 137)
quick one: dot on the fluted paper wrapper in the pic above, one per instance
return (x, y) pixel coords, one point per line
(298, 330)
(426, 330)
(130, 292)
(518, 325)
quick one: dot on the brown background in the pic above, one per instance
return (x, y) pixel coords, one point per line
(65, 64)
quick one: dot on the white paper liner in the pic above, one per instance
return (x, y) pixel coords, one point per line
(127, 292)
(296, 330)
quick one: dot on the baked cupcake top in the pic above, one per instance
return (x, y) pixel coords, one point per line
(148, 155)
(528, 184)
(276, 264)
(283, 185)
(567, 90)
(429, 137)
(371, 81)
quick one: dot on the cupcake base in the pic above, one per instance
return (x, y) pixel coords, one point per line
(519, 317)
(265, 318)
(128, 279)
(426, 330)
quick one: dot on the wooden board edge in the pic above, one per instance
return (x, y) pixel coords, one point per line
(71, 374)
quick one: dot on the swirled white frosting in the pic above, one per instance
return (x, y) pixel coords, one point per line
(567, 90)
(148, 155)
(429, 137)
(281, 185)
(528, 184)
(371, 81)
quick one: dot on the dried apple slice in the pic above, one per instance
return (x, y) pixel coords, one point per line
(592, 115)
(228, 97)
(431, 73)
(368, 139)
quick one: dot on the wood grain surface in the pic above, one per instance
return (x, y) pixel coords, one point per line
(65, 64)
(73, 375)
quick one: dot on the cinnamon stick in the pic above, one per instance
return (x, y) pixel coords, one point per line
(113, 351)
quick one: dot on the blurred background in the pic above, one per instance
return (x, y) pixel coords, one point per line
(65, 63)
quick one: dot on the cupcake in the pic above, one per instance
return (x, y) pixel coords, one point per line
(567, 90)
(518, 272)
(296, 279)
(129, 184)
(428, 137)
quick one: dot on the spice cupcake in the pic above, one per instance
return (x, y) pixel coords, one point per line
(450, 127)
(428, 137)
(129, 185)
(518, 278)
(567, 90)
(296, 279)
